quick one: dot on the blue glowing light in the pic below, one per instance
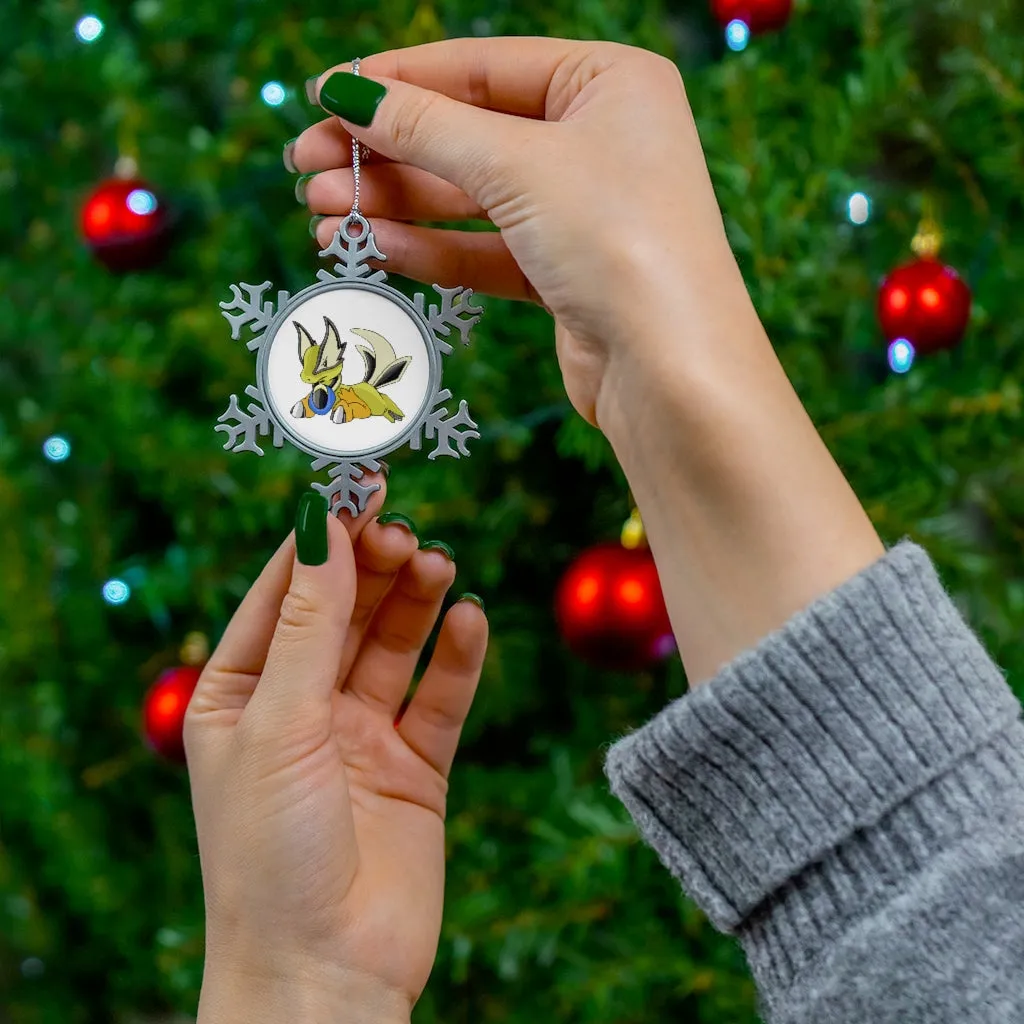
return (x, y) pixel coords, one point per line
(141, 201)
(901, 355)
(116, 591)
(273, 94)
(737, 35)
(858, 208)
(89, 28)
(56, 448)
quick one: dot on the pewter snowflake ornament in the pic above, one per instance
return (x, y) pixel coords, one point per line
(349, 369)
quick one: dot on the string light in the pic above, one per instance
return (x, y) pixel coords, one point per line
(737, 35)
(89, 28)
(858, 208)
(901, 355)
(56, 448)
(273, 94)
(116, 591)
(141, 201)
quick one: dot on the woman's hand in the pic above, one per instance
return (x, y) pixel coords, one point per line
(584, 154)
(321, 823)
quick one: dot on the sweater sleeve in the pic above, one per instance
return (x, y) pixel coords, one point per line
(847, 798)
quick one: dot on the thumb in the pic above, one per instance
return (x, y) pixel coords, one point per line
(305, 651)
(475, 149)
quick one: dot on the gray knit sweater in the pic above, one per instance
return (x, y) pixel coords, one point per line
(848, 800)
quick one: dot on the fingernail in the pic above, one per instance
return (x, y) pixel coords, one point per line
(311, 89)
(314, 223)
(300, 186)
(385, 468)
(438, 545)
(288, 156)
(352, 97)
(475, 599)
(311, 529)
(396, 517)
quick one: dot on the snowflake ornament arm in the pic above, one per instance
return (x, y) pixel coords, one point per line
(448, 430)
(344, 490)
(248, 425)
(252, 310)
(456, 311)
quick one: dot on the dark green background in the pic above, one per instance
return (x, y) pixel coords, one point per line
(554, 911)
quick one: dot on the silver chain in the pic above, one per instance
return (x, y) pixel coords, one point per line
(356, 156)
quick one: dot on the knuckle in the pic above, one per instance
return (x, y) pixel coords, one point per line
(300, 610)
(409, 128)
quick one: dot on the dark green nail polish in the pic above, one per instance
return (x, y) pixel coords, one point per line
(300, 186)
(475, 599)
(288, 156)
(438, 545)
(311, 529)
(310, 89)
(352, 97)
(314, 223)
(396, 517)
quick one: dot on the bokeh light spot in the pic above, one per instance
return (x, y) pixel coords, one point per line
(56, 448)
(858, 208)
(737, 35)
(273, 94)
(116, 591)
(901, 355)
(141, 201)
(89, 28)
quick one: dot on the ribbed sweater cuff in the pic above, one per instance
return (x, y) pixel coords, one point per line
(795, 753)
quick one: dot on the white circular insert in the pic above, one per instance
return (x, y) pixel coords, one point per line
(390, 334)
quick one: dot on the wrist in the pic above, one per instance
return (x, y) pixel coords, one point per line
(322, 994)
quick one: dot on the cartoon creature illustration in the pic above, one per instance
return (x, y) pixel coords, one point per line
(321, 369)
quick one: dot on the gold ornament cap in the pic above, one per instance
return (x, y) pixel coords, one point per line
(195, 649)
(633, 533)
(928, 240)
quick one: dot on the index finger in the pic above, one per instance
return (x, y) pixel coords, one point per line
(514, 74)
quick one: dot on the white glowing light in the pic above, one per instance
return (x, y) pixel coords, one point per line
(901, 355)
(858, 208)
(116, 591)
(737, 35)
(89, 28)
(56, 448)
(273, 94)
(141, 201)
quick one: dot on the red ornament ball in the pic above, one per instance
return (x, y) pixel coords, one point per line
(610, 609)
(757, 15)
(125, 224)
(927, 303)
(164, 711)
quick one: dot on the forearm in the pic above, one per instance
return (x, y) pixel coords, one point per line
(748, 515)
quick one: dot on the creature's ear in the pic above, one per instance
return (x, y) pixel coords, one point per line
(305, 341)
(394, 372)
(370, 358)
(331, 349)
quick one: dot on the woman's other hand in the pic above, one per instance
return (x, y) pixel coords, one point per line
(321, 822)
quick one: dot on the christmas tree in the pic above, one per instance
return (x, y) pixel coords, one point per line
(124, 526)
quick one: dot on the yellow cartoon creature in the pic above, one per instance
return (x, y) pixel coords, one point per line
(328, 396)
